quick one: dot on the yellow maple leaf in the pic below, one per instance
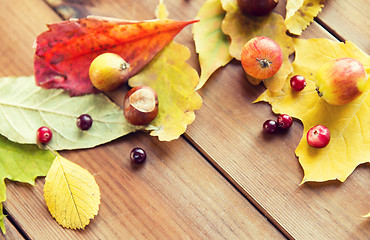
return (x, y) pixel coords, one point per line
(349, 124)
(211, 43)
(71, 194)
(241, 28)
(174, 81)
(300, 14)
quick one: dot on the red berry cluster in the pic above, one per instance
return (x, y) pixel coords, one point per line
(283, 122)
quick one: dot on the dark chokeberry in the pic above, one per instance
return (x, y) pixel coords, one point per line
(270, 126)
(137, 155)
(84, 122)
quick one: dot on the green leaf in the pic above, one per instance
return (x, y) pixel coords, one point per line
(174, 81)
(22, 163)
(2, 217)
(211, 43)
(25, 107)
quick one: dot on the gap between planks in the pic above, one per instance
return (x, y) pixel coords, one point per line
(208, 158)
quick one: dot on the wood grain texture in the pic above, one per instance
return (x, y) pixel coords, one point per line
(228, 131)
(11, 232)
(348, 19)
(177, 194)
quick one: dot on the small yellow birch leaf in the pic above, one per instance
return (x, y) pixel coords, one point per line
(300, 14)
(211, 43)
(174, 80)
(161, 11)
(71, 194)
(367, 215)
(241, 29)
(349, 124)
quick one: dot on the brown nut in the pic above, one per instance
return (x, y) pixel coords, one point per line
(140, 105)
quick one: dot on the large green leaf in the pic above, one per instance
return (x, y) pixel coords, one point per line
(25, 107)
(22, 163)
(211, 43)
(174, 81)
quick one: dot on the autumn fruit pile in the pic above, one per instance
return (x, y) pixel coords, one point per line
(328, 94)
(303, 88)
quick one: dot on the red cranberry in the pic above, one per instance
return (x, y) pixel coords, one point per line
(298, 83)
(44, 134)
(284, 121)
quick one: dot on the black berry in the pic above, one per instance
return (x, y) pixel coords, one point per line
(137, 155)
(270, 126)
(84, 122)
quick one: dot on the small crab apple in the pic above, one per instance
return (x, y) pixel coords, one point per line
(108, 71)
(342, 80)
(298, 83)
(140, 105)
(261, 57)
(257, 7)
(284, 121)
(44, 134)
(318, 136)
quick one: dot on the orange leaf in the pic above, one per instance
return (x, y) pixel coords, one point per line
(64, 52)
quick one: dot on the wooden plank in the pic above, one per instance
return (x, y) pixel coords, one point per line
(349, 19)
(11, 232)
(177, 194)
(228, 131)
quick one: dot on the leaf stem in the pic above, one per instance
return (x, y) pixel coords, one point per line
(56, 154)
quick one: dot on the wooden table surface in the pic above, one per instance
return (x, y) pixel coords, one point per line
(222, 179)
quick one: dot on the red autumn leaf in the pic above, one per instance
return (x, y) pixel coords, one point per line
(64, 52)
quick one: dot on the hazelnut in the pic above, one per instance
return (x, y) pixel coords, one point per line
(140, 105)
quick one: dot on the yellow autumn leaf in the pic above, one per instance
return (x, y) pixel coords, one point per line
(367, 215)
(174, 80)
(211, 43)
(349, 124)
(2, 217)
(300, 14)
(241, 28)
(161, 11)
(71, 194)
